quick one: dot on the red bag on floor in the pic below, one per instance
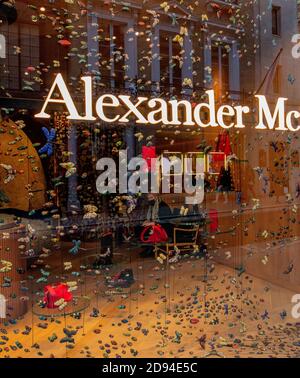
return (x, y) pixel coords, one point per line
(53, 293)
(214, 221)
(157, 234)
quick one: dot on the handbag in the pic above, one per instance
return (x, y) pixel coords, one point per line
(54, 293)
(157, 234)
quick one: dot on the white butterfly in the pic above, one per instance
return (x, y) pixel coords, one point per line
(228, 255)
(70, 167)
(10, 173)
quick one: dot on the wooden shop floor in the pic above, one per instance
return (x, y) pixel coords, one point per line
(168, 312)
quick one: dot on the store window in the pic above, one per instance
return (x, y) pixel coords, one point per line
(276, 20)
(170, 62)
(220, 69)
(22, 57)
(112, 53)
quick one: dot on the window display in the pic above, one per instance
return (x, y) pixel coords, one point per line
(149, 179)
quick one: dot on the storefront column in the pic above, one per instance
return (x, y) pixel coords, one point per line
(234, 71)
(93, 44)
(187, 68)
(131, 51)
(73, 202)
(130, 141)
(207, 62)
(155, 66)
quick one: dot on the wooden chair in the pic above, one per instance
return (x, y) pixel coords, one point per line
(169, 248)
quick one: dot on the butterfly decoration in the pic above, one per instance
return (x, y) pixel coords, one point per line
(202, 341)
(173, 17)
(10, 173)
(48, 147)
(6, 266)
(67, 265)
(259, 171)
(289, 268)
(70, 167)
(291, 79)
(265, 184)
(127, 238)
(298, 190)
(226, 309)
(76, 246)
(31, 230)
(265, 315)
(184, 211)
(240, 269)
(283, 314)
(274, 146)
(161, 258)
(228, 255)
(45, 273)
(176, 256)
(177, 337)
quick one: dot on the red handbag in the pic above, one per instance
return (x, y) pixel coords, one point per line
(54, 293)
(157, 234)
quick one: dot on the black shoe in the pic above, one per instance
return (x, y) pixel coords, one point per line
(123, 279)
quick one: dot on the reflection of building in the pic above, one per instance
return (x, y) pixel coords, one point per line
(159, 49)
(141, 49)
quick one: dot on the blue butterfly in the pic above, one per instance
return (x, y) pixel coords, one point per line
(274, 146)
(76, 246)
(291, 79)
(226, 309)
(283, 314)
(265, 315)
(50, 136)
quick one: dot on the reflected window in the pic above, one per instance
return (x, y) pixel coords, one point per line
(22, 57)
(220, 69)
(111, 53)
(170, 62)
(276, 20)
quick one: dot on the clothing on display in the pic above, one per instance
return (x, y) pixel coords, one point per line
(223, 145)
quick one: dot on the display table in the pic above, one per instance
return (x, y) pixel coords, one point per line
(77, 304)
(12, 270)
